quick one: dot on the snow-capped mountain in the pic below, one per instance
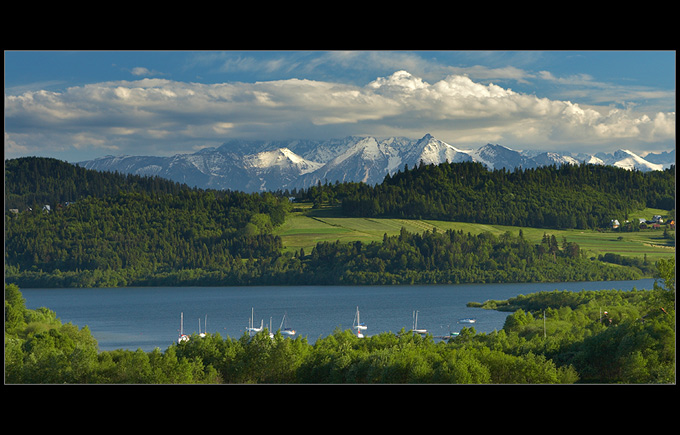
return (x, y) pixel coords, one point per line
(433, 151)
(276, 169)
(367, 160)
(498, 157)
(552, 158)
(253, 166)
(628, 160)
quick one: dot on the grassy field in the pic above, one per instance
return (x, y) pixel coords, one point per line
(306, 227)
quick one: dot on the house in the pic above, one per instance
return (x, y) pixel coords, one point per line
(46, 208)
(657, 219)
(614, 223)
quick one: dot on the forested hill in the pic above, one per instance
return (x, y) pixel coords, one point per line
(36, 181)
(570, 196)
(111, 230)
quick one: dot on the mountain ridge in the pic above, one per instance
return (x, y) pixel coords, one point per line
(258, 165)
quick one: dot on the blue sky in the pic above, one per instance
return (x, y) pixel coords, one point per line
(78, 105)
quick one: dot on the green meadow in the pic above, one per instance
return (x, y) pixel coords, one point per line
(305, 227)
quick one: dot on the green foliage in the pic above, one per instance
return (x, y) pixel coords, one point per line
(135, 231)
(582, 196)
(39, 349)
(666, 272)
(32, 182)
(453, 257)
(607, 336)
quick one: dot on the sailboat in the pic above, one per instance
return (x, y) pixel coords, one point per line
(205, 326)
(251, 326)
(358, 325)
(286, 331)
(182, 336)
(415, 324)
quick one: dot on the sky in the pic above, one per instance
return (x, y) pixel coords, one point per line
(80, 105)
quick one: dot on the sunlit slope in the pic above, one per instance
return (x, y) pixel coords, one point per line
(304, 229)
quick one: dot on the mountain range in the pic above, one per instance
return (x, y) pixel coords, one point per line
(253, 166)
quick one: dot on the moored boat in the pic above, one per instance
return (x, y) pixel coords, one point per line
(358, 325)
(182, 337)
(286, 331)
(415, 324)
(251, 327)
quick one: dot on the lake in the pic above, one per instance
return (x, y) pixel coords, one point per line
(149, 317)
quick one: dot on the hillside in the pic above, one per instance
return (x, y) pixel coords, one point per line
(32, 182)
(570, 196)
(306, 227)
(110, 229)
(120, 230)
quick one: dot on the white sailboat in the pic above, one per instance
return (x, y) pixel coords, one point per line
(358, 325)
(415, 324)
(251, 326)
(182, 336)
(467, 320)
(286, 331)
(205, 326)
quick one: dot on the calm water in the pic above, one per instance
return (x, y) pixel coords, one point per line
(149, 317)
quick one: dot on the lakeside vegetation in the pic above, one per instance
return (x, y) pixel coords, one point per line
(109, 230)
(558, 337)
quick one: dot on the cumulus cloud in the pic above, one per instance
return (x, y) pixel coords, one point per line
(163, 117)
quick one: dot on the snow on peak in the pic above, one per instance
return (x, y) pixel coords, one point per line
(629, 160)
(258, 165)
(281, 158)
(430, 150)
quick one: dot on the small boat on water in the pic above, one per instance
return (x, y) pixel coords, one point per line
(251, 327)
(205, 326)
(182, 336)
(467, 320)
(286, 331)
(358, 325)
(415, 324)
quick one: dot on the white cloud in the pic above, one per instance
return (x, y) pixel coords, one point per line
(159, 116)
(140, 71)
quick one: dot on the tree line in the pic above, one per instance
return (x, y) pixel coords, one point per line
(32, 182)
(569, 196)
